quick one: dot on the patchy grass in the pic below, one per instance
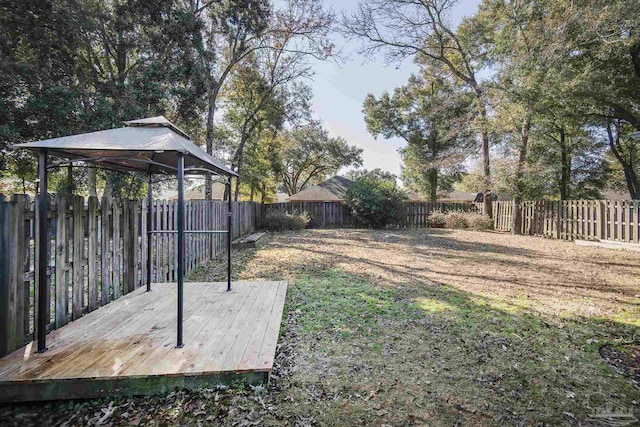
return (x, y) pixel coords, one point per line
(420, 327)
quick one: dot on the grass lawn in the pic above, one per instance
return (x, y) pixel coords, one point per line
(420, 327)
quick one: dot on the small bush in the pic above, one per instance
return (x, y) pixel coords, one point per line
(437, 219)
(278, 221)
(456, 220)
(479, 222)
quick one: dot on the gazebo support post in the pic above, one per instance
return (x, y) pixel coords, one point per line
(42, 252)
(149, 235)
(180, 343)
(229, 231)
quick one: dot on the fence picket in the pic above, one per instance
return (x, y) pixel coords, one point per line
(105, 229)
(77, 285)
(92, 253)
(62, 268)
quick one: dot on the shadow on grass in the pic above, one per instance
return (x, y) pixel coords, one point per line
(453, 352)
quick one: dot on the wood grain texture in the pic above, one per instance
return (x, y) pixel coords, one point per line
(128, 346)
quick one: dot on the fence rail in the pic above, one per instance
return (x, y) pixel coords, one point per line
(98, 253)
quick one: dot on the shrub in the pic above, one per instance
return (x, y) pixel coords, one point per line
(437, 219)
(479, 222)
(278, 221)
(374, 202)
(456, 220)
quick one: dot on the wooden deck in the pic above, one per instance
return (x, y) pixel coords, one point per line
(128, 346)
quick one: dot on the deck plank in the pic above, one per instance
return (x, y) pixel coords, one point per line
(128, 346)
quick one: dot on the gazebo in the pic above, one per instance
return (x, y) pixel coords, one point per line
(150, 146)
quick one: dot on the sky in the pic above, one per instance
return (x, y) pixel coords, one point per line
(340, 89)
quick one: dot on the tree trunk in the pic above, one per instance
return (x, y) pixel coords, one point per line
(108, 188)
(486, 166)
(516, 225)
(565, 166)
(237, 190)
(433, 185)
(633, 183)
(488, 194)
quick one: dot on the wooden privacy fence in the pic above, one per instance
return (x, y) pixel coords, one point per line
(338, 215)
(574, 219)
(98, 252)
(568, 220)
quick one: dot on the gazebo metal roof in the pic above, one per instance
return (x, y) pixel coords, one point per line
(148, 145)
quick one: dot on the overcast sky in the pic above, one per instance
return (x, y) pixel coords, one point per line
(339, 91)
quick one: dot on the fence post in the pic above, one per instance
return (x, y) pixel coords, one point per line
(5, 268)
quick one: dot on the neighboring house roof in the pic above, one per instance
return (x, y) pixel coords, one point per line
(616, 195)
(458, 196)
(413, 196)
(332, 190)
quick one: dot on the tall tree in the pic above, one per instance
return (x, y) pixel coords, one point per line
(39, 91)
(309, 155)
(265, 93)
(420, 29)
(79, 66)
(430, 114)
(515, 37)
(234, 30)
(596, 53)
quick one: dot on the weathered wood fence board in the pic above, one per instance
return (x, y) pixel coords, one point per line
(574, 219)
(98, 253)
(338, 215)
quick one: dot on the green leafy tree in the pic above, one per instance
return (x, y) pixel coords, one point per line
(429, 114)
(79, 66)
(308, 155)
(232, 31)
(377, 174)
(596, 54)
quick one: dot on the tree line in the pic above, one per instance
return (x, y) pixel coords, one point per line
(546, 93)
(232, 73)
